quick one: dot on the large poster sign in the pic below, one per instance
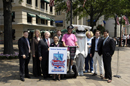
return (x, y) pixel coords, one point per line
(57, 60)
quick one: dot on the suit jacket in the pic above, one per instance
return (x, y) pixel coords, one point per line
(109, 46)
(34, 45)
(43, 48)
(99, 46)
(60, 40)
(23, 47)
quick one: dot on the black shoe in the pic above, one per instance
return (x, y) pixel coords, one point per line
(27, 76)
(22, 79)
(94, 74)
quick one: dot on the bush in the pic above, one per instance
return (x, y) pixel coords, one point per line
(9, 56)
(100, 28)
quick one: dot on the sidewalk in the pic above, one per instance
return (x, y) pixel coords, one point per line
(9, 74)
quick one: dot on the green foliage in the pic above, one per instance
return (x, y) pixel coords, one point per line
(93, 8)
(100, 28)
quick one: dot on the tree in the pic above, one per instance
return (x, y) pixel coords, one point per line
(8, 42)
(94, 8)
(118, 8)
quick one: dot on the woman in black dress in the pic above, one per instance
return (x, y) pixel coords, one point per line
(34, 50)
(56, 43)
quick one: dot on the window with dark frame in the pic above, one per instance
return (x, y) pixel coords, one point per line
(42, 21)
(13, 16)
(51, 9)
(46, 6)
(42, 4)
(36, 3)
(59, 24)
(46, 22)
(58, 13)
(29, 1)
(51, 22)
(36, 20)
(12, 0)
(29, 19)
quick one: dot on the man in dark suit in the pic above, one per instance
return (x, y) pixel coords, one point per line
(96, 51)
(59, 36)
(108, 49)
(43, 50)
(24, 55)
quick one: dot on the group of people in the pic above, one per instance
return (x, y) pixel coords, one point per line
(99, 49)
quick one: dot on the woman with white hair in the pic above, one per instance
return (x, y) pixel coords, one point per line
(89, 59)
(43, 50)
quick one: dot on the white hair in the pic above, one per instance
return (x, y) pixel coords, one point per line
(47, 32)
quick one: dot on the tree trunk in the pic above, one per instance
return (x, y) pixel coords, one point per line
(8, 42)
(115, 32)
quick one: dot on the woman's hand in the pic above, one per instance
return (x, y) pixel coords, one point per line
(33, 55)
(40, 58)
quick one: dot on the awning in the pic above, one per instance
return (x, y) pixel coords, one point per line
(59, 21)
(89, 20)
(32, 15)
(43, 17)
(104, 21)
(52, 19)
(45, 1)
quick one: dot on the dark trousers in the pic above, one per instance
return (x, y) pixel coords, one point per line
(88, 60)
(107, 66)
(124, 42)
(36, 65)
(24, 66)
(44, 65)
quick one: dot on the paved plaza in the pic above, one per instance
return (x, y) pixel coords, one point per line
(9, 74)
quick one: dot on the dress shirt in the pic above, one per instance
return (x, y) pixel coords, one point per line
(96, 43)
(48, 40)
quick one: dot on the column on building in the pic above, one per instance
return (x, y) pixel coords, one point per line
(39, 4)
(48, 9)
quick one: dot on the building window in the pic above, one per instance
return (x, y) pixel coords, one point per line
(51, 9)
(13, 16)
(43, 21)
(46, 6)
(51, 22)
(58, 13)
(29, 19)
(42, 4)
(29, 1)
(59, 24)
(46, 22)
(36, 20)
(36, 3)
(12, 0)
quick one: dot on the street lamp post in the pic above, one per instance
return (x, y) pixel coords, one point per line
(120, 32)
(71, 5)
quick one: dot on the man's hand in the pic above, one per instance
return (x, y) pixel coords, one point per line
(33, 55)
(90, 55)
(66, 45)
(48, 49)
(24, 56)
(40, 58)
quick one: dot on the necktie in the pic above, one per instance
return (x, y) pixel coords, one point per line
(28, 45)
(48, 43)
(105, 40)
